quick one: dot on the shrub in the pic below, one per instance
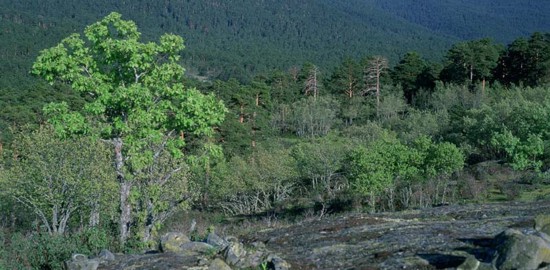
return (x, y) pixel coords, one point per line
(46, 251)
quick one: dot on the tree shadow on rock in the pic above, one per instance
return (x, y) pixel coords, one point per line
(443, 261)
(483, 248)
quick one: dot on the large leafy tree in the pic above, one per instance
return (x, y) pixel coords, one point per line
(135, 100)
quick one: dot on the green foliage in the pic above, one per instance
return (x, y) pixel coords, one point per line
(45, 251)
(442, 159)
(419, 123)
(246, 121)
(312, 117)
(346, 79)
(246, 185)
(387, 163)
(500, 20)
(413, 74)
(511, 127)
(53, 178)
(522, 155)
(471, 61)
(136, 101)
(224, 44)
(392, 108)
(374, 169)
(280, 140)
(319, 161)
(134, 87)
(526, 61)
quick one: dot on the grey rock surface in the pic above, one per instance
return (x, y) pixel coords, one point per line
(446, 237)
(218, 264)
(81, 262)
(105, 256)
(216, 241)
(234, 254)
(171, 242)
(196, 247)
(436, 238)
(516, 250)
(542, 223)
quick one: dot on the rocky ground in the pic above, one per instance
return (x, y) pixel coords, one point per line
(437, 238)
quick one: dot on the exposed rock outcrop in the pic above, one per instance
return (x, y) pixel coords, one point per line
(446, 237)
(467, 237)
(171, 242)
(178, 252)
(516, 250)
(542, 223)
(81, 262)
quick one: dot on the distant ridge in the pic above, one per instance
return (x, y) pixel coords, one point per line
(245, 37)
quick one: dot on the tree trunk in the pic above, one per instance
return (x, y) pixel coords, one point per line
(149, 222)
(13, 218)
(55, 220)
(241, 116)
(125, 186)
(94, 215)
(378, 94)
(125, 211)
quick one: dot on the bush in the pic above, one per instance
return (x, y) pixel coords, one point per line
(46, 251)
(418, 174)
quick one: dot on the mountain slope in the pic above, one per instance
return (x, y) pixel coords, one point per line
(225, 38)
(502, 20)
(244, 37)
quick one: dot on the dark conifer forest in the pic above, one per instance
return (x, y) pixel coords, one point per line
(119, 117)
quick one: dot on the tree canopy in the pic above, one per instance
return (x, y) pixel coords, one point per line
(135, 100)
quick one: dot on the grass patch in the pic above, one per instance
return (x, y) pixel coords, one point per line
(540, 192)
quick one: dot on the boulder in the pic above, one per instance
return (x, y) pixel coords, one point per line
(542, 224)
(192, 248)
(277, 262)
(216, 241)
(516, 250)
(105, 256)
(234, 253)
(471, 263)
(254, 259)
(172, 241)
(81, 262)
(218, 264)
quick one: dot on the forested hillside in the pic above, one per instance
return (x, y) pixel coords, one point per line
(502, 20)
(241, 38)
(227, 39)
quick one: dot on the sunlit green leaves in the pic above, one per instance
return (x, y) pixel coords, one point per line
(134, 87)
(136, 100)
(375, 167)
(53, 177)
